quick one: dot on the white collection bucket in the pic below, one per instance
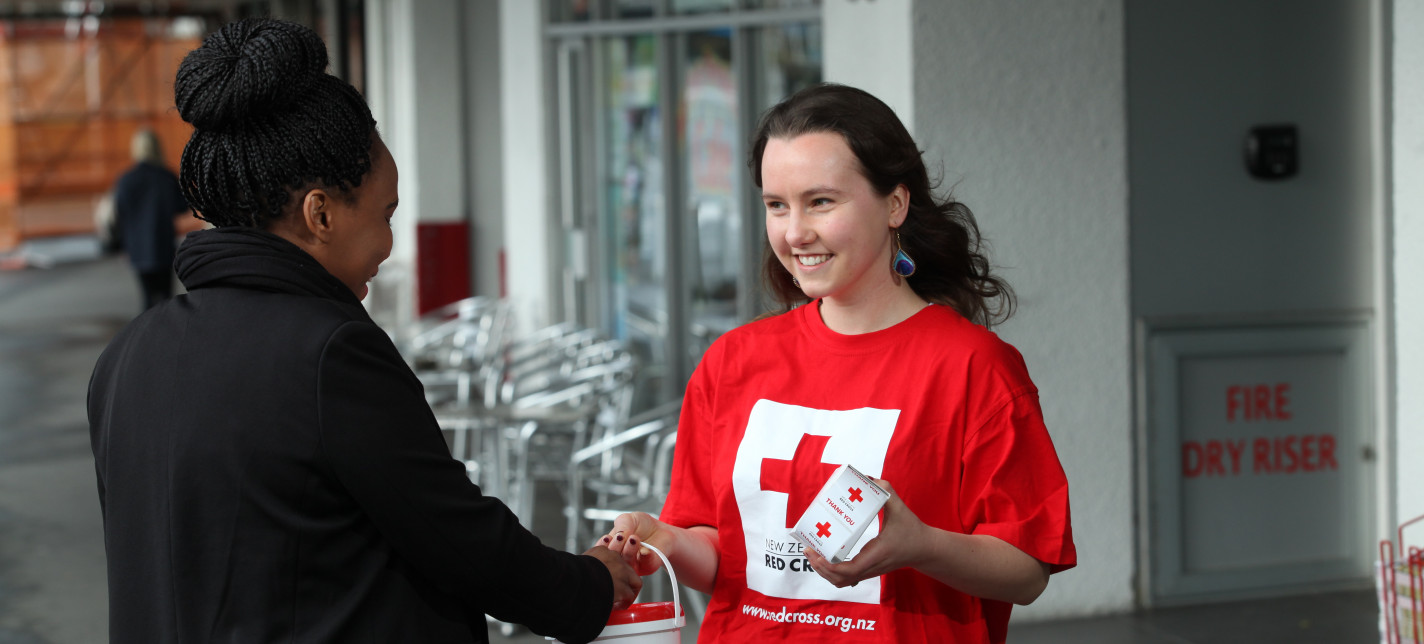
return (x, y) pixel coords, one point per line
(650, 623)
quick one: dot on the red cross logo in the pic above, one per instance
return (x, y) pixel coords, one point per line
(823, 530)
(801, 477)
(855, 495)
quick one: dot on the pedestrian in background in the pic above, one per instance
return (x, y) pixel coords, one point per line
(147, 200)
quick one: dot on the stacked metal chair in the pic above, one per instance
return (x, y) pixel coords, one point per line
(453, 350)
(515, 408)
(550, 405)
(626, 470)
(551, 393)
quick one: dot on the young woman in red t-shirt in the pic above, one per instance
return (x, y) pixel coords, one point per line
(888, 366)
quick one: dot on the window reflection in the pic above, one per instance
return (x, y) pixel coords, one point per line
(569, 11)
(782, 4)
(710, 146)
(558, 11)
(684, 7)
(791, 60)
(633, 189)
(688, 200)
(634, 9)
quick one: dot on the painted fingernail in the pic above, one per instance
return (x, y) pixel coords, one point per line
(633, 541)
(606, 539)
(619, 537)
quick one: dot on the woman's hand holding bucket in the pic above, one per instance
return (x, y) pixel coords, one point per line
(630, 532)
(652, 623)
(693, 551)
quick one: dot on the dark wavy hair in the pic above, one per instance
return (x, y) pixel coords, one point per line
(267, 121)
(940, 234)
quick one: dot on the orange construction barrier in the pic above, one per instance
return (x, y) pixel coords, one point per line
(72, 93)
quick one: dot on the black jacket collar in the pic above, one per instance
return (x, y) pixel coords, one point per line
(237, 257)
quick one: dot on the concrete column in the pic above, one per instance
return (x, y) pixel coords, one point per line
(528, 224)
(1022, 106)
(868, 45)
(1406, 75)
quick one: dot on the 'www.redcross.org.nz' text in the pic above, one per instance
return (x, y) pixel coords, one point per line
(843, 623)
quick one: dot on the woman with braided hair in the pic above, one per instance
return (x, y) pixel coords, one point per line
(267, 465)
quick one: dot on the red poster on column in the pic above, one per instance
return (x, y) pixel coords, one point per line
(443, 264)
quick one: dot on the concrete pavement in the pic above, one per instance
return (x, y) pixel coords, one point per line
(53, 324)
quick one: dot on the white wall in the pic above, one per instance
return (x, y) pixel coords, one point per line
(867, 45)
(1024, 104)
(426, 117)
(528, 226)
(1407, 149)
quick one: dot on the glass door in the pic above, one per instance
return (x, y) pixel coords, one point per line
(635, 242)
(710, 144)
(656, 102)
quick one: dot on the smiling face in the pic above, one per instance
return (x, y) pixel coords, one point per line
(360, 234)
(825, 222)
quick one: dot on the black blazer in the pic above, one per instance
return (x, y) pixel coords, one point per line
(269, 471)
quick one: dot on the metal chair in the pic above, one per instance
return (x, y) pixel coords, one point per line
(551, 392)
(455, 335)
(624, 471)
(452, 350)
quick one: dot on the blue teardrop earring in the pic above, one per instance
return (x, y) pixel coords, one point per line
(902, 264)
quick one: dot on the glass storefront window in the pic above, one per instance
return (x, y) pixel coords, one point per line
(710, 145)
(684, 7)
(566, 11)
(624, 9)
(576, 11)
(790, 60)
(676, 238)
(557, 11)
(634, 232)
(782, 4)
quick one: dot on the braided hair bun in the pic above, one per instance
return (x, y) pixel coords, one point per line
(267, 121)
(246, 69)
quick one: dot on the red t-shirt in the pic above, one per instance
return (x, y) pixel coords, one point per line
(941, 408)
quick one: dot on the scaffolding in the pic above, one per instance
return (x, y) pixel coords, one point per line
(72, 93)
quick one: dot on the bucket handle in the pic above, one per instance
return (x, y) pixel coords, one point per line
(676, 602)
